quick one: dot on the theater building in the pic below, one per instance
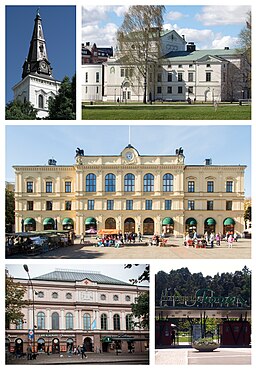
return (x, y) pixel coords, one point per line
(132, 193)
(73, 308)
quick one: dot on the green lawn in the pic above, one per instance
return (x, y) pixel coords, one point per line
(164, 112)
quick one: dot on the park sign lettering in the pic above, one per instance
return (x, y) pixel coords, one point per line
(206, 297)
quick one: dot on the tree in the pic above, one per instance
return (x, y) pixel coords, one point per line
(140, 309)
(17, 110)
(245, 49)
(14, 301)
(9, 210)
(139, 42)
(143, 277)
(63, 105)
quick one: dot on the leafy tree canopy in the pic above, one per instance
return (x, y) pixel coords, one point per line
(17, 110)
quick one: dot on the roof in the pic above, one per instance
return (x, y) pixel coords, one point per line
(73, 276)
(198, 54)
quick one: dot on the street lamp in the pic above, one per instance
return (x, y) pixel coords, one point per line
(33, 305)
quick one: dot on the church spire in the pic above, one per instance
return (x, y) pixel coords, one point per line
(37, 59)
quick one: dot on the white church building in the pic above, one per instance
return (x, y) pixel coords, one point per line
(37, 84)
(181, 73)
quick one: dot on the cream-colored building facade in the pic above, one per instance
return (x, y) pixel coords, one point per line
(130, 192)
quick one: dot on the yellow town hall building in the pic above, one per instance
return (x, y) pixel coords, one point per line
(151, 194)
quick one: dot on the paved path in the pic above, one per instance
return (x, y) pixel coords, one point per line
(240, 250)
(190, 356)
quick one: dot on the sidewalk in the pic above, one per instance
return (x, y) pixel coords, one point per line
(92, 358)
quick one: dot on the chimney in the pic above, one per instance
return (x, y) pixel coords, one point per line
(191, 47)
(226, 48)
(208, 162)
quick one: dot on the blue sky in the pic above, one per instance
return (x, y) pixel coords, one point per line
(59, 26)
(34, 145)
(209, 26)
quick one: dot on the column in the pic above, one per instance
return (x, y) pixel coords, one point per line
(110, 321)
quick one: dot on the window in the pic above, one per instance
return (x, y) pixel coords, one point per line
(115, 297)
(208, 65)
(40, 294)
(229, 186)
(86, 76)
(55, 295)
(148, 206)
(180, 77)
(48, 205)
(159, 90)
(169, 89)
(128, 298)
(97, 79)
(110, 183)
(68, 187)
(129, 182)
(48, 187)
(148, 182)
(159, 77)
(41, 320)
(30, 205)
(229, 205)
(128, 322)
(29, 187)
(104, 322)
(190, 76)
(208, 76)
(69, 321)
(110, 205)
(224, 77)
(190, 89)
(168, 182)
(87, 321)
(209, 205)
(210, 186)
(122, 72)
(168, 204)
(180, 90)
(90, 204)
(103, 297)
(169, 77)
(19, 325)
(40, 101)
(68, 295)
(116, 322)
(180, 66)
(129, 205)
(68, 204)
(91, 183)
(191, 186)
(191, 205)
(55, 321)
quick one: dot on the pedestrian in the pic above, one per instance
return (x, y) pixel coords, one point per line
(230, 241)
(29, 353)
(82, 239)
(173, 337)
(211, 239)
(83, 351)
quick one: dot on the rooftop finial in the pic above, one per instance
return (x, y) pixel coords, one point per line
(37, 12)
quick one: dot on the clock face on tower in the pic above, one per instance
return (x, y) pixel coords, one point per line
(44, 66)
(129, 156)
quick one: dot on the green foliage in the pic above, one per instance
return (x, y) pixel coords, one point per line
(16, 110)
(63, 106)
(143, 277)
(248, 213)
(9, 209)
(14, 301)
(140, 309)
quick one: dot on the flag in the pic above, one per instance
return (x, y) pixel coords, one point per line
(94, 324)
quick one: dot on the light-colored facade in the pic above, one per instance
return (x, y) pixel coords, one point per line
(73, 308)
(180, 72)
(132, 193)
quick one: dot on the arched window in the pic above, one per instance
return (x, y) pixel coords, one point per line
(148, 182)
(110, 183)
(168, 182)
(87, 321)
(69, 321)
(91, 182)
(19, 324)
(55, 295)
(40, 101)
(104, 322)
(55, 321)
(41, 320)
(129, 182)
(116, 322)
(128, 321)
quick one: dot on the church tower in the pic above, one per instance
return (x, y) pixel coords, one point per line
(37, 84)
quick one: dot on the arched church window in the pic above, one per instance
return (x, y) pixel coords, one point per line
(40, 101)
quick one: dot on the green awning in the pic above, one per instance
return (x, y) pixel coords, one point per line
(48, 221)
(210, 221)
(229, 221)
(106, 340)
(68, 221)
(90, 220)
(29, 221)
(191, 222)
(168, 221)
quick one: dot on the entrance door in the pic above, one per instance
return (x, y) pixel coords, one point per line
(19, 346)
(88, 344)
(41, 345)
(55, 345)
(148, 226)
(129, 225)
